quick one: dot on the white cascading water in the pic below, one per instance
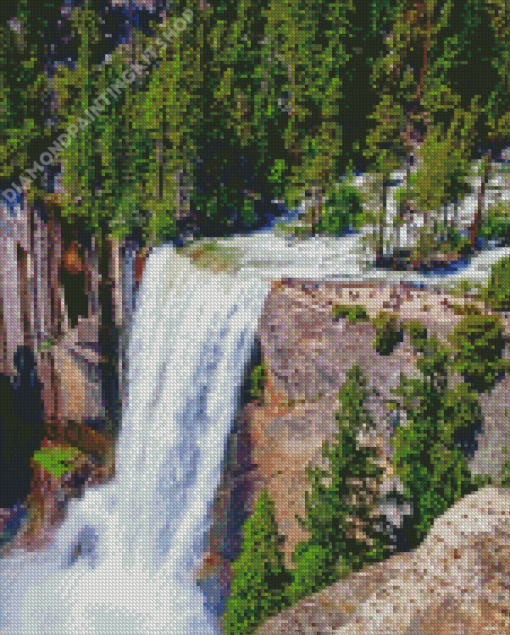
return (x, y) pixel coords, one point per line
(142, 536)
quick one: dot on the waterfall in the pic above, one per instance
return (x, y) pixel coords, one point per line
(122, 562)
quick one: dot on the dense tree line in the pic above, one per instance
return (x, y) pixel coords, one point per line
(253, 102)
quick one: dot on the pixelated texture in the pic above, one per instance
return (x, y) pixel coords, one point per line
(305, 428)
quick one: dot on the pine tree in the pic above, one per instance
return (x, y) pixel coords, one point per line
(23, 84)
(479, 342)
(432, 468)
(315, 570)
(259, 574)
(383, 144)
(76, 89)
(342, 491)
(364, 43)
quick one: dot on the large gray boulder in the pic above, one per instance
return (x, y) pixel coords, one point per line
(457, 581)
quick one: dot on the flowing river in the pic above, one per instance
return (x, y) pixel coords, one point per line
(141, 537)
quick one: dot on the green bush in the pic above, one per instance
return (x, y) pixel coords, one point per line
(315, 570)
(497, 222)
(479, 344)
(417, 334)
(341, 310)
(464, 247)
(497, 293)
(356, 313)
(257, 381)
(342, 210)
(57, 460)
(389, 333)
(259, 576)
(505, 472)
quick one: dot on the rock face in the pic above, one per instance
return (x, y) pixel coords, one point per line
(457, 581)
(307, 354)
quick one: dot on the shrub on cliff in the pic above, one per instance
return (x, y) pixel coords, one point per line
(505, 472)
(356, 313)
(259, 575)
(417, 334)
(315, 570)
(497, 292)
(257, 381)
(388, 333)
(479, 341)
(339, 493)
(57, 459)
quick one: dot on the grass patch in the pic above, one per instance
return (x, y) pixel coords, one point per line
(213, 256)
(58, 460)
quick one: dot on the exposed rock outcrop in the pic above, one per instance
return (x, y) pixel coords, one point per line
(307, 354)
(457, 581)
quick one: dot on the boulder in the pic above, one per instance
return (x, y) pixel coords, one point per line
(457, 581)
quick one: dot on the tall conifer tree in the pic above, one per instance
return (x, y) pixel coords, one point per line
(259, 574)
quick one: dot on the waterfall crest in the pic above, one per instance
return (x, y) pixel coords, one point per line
(122, 562)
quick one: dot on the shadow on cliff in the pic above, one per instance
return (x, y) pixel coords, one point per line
(240, 472)
(21, 427)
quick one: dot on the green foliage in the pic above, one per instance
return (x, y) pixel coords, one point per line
(432, 468)
(496, 222)
(497, 292)
(340, 491)
(257, 381)
(259, 575)
(389, 333)
(23, 85)
(473, 56)
(417, 334)
(504, 477)
(315, 570)
(456, 244)
(479, 342)
(342, 210)
(466, 309)
(462, 408)
(356, 313)
(57, 460)
(341, 310)
(247, 212)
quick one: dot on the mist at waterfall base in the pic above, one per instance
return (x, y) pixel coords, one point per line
(142, 536)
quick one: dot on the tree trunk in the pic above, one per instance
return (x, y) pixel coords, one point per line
(382, 222)
(316, 209)
(455, 219)
(475, 227)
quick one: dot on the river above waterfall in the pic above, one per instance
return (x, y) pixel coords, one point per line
(122, 563)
